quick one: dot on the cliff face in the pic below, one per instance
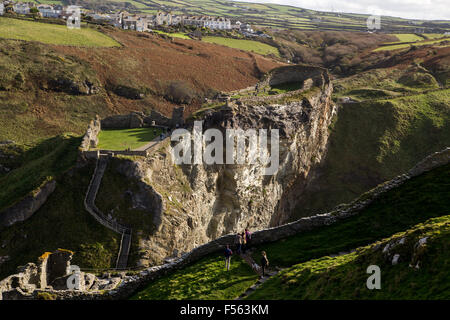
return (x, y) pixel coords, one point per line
(203, 202)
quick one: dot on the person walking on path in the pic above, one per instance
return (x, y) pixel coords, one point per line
(238, 242)
(264, 263)
(244, 243)
(228, 253)
(248, 238)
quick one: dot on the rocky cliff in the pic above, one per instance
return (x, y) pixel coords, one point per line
(203, 202)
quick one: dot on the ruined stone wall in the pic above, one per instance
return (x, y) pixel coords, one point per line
(90, 139)
(296, 73)
(127, 121)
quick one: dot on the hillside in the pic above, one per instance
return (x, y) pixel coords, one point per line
(397, 114)
(51, 89)
(415, 202)
(53, 34)
(421, 271)
(355, 109)
(268, 15)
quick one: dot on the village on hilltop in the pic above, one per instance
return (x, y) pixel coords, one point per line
(130, 21)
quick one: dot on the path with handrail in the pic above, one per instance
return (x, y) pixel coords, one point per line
(89, 204)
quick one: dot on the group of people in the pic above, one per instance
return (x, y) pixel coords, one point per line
(242, 243)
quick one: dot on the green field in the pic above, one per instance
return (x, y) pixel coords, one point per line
(407, 37)
(126, 138)
(407, 45)
(53, 34)
(246, 45)
(174, 35)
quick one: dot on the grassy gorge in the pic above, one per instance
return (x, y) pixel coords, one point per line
(88, 177)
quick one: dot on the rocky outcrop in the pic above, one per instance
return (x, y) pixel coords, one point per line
(73, 86)
(27, 206)
(204, 202)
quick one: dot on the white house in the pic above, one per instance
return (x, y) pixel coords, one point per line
(21, 8)
(49, 11)
(209, 22)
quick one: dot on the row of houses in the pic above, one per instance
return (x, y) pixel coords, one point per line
(141, 22)
(45, 10)
(125, 20)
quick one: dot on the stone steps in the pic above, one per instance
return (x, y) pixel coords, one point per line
(89, 203)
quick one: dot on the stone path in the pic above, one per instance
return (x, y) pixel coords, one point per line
(247, 257)
(149, 145)
(89, 204)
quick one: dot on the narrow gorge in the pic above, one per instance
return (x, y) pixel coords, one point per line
(204, 202)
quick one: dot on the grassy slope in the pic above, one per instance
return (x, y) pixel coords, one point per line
(344, 277)
(374, 141)
(174, 34)
(419, 199)
(126, 138)
(41, 163)
(62, 222)
(247, 45)
(32, 106)
(206, 279)
(54, 34)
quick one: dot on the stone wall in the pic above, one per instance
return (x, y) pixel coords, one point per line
(296, 73)
(26, 207)
(127, 121)
(139, 120)
(41, 275)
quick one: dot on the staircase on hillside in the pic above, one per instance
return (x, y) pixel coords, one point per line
(89, 204)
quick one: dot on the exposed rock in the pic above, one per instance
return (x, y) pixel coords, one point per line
(223, 199)
(27, 206)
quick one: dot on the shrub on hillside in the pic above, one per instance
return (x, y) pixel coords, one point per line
(128, 92)
(179, 92)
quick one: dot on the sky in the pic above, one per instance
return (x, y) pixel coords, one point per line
(410, 9)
